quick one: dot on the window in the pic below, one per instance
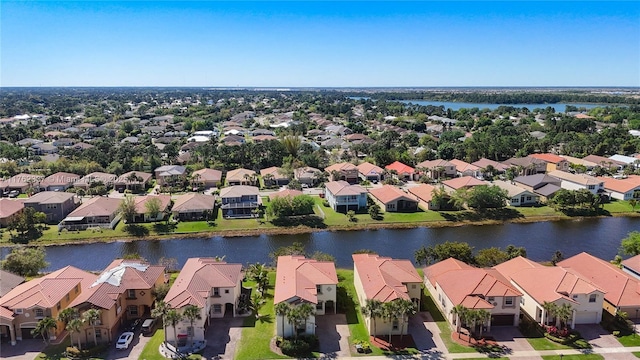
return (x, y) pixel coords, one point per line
(98, 335)
(38, 312)
(591, 187)
(217, 308)
(131, 294)
(226, 291)
(216, 292)
(67, 297)
(396, 324)
(508, 301)
(574, 296)
(593, 297)
(58, 306)
(319, 305)
(528, 198)
(77, 288)
(413, 286)
(19, 311)
(319, 289)
(491, 299)
(522, 301)
(132, 310)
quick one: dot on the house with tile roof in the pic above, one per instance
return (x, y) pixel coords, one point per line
(307, 175)
(96, 212)
(274, 176)
(554, 162)
(26, 304)
(343, 171)
(169, 174)
(240, 201)
(59, 181)
(286, 192)
(560, 286)
(464, 168)
(132, 180)
(454, 282)
(424, 194)
(242, 177)
(623, 189)
(465, 182)
(632, 266)
(517, 195)
(301, 280)
(385, 279)
(9, 210)
(393, 199)
(124, 291)
(21, 182)
(437, 169)
(343, 197)
(401, 171)
(213, 286)
(193, 206)
(604, 162)
(588, 165)
(370, 172)
(571, 181)
(527, 165)
(486, 164)
(142, 214)
(55, 205)
(622, 289)
(206, 178)
(96, 177)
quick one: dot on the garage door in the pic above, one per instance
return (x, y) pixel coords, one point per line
(502, 320)
(587, 317)
(26, 333)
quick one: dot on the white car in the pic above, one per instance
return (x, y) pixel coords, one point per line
(124, 340)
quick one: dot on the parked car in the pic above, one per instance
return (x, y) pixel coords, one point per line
(124, 340)
(148, 326)
(14, 193)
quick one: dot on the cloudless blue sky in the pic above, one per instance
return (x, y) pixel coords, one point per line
(331, 43)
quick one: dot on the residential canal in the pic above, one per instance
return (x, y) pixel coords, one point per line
(600, 237)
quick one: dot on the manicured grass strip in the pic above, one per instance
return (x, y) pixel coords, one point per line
(257, 334)
(445, 330)
(54, 352)
(637, 354)
(630, 340)
(150, 351)
(542, 343)
(574, 357)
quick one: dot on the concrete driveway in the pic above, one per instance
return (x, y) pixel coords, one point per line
(133, 352)
(597, 336)
(222, 338)
(510, 339)
(426, 335)
(333, 335)
(23, 350)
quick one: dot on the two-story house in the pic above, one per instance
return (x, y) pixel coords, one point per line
(240, 201)
(554, 162)
(54, 204)
(438, 169)
(452, 282)
(211, 285)
(170, 174)
(26, 304)
(300, 280)
(385, 279)
(571, 181)
(343, 197)
(125, 290)
(343, 171)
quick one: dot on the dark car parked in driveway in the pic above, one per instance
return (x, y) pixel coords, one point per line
(148, 327)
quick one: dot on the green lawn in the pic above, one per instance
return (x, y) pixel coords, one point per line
(618, 206)
(630, 340)
(257, 334)
(150, 351)
(542, 343)
(574, 357)
(637, 354)
(56, 352)
(445, 330)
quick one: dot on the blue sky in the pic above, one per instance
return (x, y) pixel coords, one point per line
(331, 43)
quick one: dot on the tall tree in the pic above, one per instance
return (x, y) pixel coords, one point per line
(459, 311)
(631, 244)
(73, 327)
(173, 317)
(282, 309)
(160, 311)
(373, 309)
(406, 308)
(127, 208)
(152, 208)
(92, 316)
(44, 327)
(25, 261)
(191, 313)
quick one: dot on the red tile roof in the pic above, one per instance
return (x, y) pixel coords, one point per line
(345, 166)
(424, 192)
(400, 168)
(367, 168)
(550, 158)
(59, 179)
(197, 278)
(633, 263)
(384, 278)
(208, 174)
(464, 182)
(621, 186)
(191, 202)
(389, 193)
(339, 188)
(621, 288)
(285, 192)
(142, 200)
(297, 277)
(9, 207)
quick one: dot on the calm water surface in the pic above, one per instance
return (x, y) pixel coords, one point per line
(560, 108)
(600, 237)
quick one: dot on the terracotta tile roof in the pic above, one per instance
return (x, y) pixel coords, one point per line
(367, 168)
(389, 193)
(432, 164)
(238, 174)
(400, 168)
(524, 161)
(621, 288)
(21, 180)
(483, 163)
(558, 282)
(264, 138)
(581, 179)
(9, 207)
(345, 166)
(122, 179)
(463, 182)
(105, 178)
(339, 188)
(59, 179)
(424, 192)
(120, 276)
(49, 197)
(384, 278)
(512, 190)
(97, 206)
(621, 186)
(9, 281)
(275, 171)
(285, 192)
(48, 290)
(550, 158)
(142, 200)
(197, 278)
(633, 263)
(603, 161)
(208, 174)
(193, 202)
(6, 314)
(578, 161)
(297, 277)
(463, 166)
(239, 190)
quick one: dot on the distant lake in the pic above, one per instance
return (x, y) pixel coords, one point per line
(560, 108)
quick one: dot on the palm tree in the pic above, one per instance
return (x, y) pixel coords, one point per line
(74, 326)
(191, 313)
(160, 311)
(256, 301)
(44, 327)
(91, 316)
(258, 273)
(482, 315)
(406, 308)
(391, 311)
(460, 312)
(299, 314)
(564, 312)
(282, 309)
(550, 309)
(173, 317)
(67, 315)
(373, 309)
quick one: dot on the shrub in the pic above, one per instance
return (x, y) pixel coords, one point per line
(294, 348)
(325, 203)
